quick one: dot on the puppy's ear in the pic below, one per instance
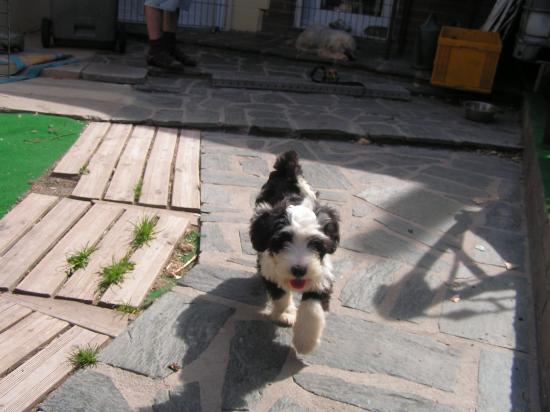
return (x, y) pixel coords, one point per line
(328, 219)
(264, 224)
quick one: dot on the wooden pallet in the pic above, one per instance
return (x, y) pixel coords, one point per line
(37, 262)
(115, 160)
(42, 335)
(34, 357)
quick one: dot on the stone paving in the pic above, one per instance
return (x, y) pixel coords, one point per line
(192, 102)
(431, 309)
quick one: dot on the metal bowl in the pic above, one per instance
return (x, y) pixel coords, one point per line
(480, 111)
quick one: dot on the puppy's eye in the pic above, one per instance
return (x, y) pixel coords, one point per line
(279, 241)
(317, 245)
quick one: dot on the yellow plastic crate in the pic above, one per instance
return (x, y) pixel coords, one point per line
(466, 59)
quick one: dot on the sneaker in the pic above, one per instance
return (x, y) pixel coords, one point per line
(164, 60)
(178, 54)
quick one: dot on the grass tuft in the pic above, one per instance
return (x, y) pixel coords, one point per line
(79, 259)
(114, 274)
(84, 357)
(83, 170)
(192, 243)
(137, 191)
(127, 308)
(144, 232)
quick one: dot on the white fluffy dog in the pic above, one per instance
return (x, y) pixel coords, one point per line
(294, 236)
(328, 43)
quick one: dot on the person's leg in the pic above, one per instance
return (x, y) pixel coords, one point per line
(169, 27)
(153, 19)
(158, 54)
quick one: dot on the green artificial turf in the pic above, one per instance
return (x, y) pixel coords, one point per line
(29, 144)
(538, 121)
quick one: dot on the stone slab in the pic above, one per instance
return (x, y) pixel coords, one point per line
(415, 296)
(367, 397)
(498, 247)
(382, 243)
(503, 382)
(114, 73)
(256, 356)
(495, 310)
(86, 391)
(429, 238)
(409, 201)
(368, 287)
(212, 239)
(175, 329)
(186, 399)
(242, 286)
(285, 404)
(386, 350)
(67, 71)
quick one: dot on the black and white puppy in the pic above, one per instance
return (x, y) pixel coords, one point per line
(294, 236)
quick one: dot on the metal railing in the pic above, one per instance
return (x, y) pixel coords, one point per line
(371, 19)
(202, 13)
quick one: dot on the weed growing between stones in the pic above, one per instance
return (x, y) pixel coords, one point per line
(84, 357)
(144, 232)
(127, 308)
(79, 259)
(114, 274)
(137, 192)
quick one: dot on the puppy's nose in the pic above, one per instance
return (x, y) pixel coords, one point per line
(298, 270)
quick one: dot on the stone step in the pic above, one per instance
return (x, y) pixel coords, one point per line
(387, 91)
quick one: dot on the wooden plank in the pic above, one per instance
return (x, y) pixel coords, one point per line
(102, 163)
(186, 186)
(156, 181)
(100, 320)
(34, 245)
(149, 262)
(22, 217)
(27, 336)
(193, 217)
(130, 166)
(46, 278)
(32, 380)
(81, 151)
(83, 284)
(11, 313)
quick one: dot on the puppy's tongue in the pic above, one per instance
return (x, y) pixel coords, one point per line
(298, 283)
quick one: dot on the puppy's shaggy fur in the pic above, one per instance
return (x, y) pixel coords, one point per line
(294, 236)
(328, 43)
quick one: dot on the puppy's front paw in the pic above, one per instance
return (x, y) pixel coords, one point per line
(287, 318)
(304, 343)
(308, 329)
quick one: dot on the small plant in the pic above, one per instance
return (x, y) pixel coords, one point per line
(84, 357)
(189, 249)
(79, 259)
(114, 274)
(137, 192)
(144, 232)
(83, 170)
(127, 308)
